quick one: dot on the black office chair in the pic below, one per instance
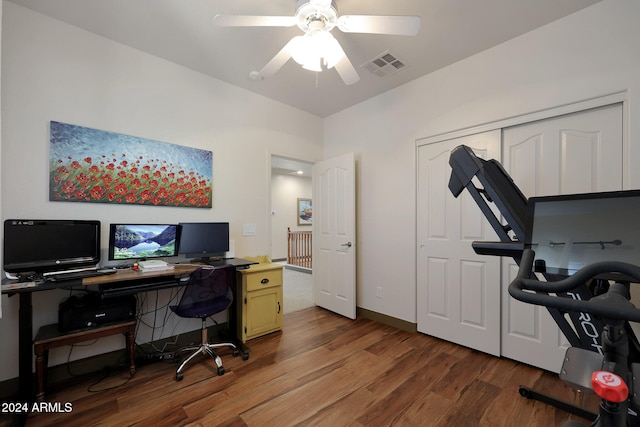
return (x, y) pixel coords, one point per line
(208, 292)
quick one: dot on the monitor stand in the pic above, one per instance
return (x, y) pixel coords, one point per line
(211, 260)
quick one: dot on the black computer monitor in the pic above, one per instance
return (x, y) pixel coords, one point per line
(132, 242)
(40, 246)
(571, 231)
(204, 240)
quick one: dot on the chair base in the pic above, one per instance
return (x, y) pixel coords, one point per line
(205, 348)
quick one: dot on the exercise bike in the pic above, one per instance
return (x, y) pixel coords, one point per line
(567, 232)
(617, 379)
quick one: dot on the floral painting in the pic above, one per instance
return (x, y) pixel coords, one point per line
(90, 165)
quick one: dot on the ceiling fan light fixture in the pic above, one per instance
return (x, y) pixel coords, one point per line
(312, 64)
(300, 50)
(330, 48)
(316, 48)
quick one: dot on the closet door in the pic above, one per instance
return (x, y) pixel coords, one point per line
(458, 292)
(576, 153)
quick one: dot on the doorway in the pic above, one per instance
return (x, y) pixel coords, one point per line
(291, 185)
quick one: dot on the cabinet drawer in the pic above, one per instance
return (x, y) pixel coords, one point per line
(263, 279)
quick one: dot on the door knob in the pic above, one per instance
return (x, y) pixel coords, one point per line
(348, 244)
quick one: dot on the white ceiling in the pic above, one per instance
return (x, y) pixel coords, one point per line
(286, 166)
(181, 31)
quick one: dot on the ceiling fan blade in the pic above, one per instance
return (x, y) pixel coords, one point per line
(277, 61)
(379, 24)
(254, 21)
(345, 70)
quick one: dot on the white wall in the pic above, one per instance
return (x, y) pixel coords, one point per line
(285, 191)
(588, 54)
(53, 71)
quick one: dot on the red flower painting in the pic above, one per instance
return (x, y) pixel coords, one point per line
(89, 165)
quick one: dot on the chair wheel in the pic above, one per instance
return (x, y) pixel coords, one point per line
(236, 352)
(221, 370)
(179, 377)
(245, 356)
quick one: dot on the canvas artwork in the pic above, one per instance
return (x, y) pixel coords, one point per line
(96, 166)
(305, 212)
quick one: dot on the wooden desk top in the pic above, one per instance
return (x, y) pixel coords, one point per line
(180, 270)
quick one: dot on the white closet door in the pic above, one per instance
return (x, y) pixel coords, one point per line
(576, 153)
(458, 292)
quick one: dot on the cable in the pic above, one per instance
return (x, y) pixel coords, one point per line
(156, 324)
(106, 369)
(68, 364)
(107, 373)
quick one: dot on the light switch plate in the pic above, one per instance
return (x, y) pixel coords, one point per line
(248, 229)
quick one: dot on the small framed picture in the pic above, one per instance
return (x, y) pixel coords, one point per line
(305, 212)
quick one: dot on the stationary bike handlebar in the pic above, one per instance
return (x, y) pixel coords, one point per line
(613, 305)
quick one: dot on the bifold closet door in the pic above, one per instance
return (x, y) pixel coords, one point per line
(458, 291)
(574, 153)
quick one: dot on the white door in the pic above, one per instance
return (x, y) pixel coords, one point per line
(458, 292)
(334, 235)
(576, 153)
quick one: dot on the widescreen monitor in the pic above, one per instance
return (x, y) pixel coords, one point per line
(571, 231)
(40, 246)
(142, 241)
(204, 240)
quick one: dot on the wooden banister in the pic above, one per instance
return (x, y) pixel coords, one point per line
(299, 248)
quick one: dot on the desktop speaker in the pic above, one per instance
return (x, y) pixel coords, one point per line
(90, 310)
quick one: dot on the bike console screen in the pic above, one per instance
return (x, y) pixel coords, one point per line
(570, 231)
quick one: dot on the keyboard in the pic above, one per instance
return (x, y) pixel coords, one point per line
(59, 277)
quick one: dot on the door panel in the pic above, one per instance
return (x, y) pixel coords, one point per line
(334, 251)
(458, 291)
(576, 153)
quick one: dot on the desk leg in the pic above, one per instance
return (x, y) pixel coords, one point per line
(25, 349)
(130, 337)
(41, 371)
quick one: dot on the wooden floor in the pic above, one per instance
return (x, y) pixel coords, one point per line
(323, 370)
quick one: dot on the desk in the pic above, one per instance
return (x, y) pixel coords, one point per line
(126, 281)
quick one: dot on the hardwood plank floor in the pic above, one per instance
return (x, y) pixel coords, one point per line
(323, 370)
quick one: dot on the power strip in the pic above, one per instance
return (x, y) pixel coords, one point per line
(154, 357)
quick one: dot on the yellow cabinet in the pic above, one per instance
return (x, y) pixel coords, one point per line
(260, 288)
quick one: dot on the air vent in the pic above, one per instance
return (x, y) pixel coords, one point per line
(384, 65)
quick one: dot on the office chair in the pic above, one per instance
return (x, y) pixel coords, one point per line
(208, 292)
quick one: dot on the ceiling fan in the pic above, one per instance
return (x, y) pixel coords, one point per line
(317, 47)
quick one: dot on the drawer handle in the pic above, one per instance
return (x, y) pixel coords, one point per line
(264, 281)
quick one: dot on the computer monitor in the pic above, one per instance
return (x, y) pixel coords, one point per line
(40, 246)
(134, 242)
(204, 240)
(571, 231)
